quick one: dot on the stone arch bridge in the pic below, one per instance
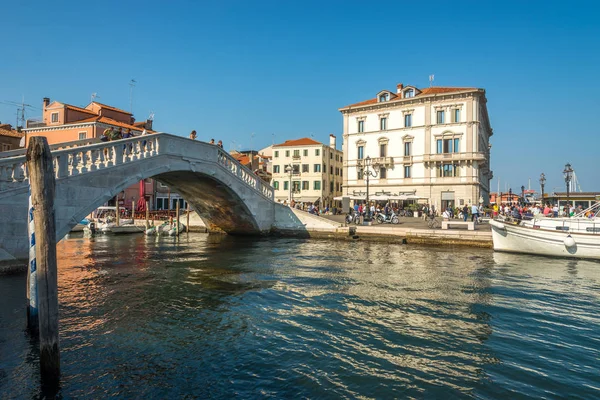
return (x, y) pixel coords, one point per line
(226, 195)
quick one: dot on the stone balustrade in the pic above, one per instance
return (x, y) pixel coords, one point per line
(83, 158)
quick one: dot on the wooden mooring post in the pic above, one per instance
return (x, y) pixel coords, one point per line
(147, 215)
(177, 218)
(41, 180)
(32, 309)
(187, 226)
(118, 212)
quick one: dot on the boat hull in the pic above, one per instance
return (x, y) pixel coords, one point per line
(520, 239)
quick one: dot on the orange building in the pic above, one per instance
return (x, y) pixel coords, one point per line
(63, 122)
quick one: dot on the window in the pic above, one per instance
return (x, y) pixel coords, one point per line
(341, 158)
(296, 186)
(448, 146)
(383, 150)
(277, 154)
(440, 117)
(337, 171)
(361, 152)
(331, 156)
(275, 169)
(296, 153)
(359, 174)
(407, 120)
(448, 170)
(382, 173)
(383, 124)
(331, 169)
(407, 148)
(337, 157)
(317, 185)
(305, 153)
(317, 168)
(407, 171)
(82, 135)
(287, 153)
(296, 169)
(361, 126)
(286, 185)
(55, 117)
(324, 167)
(305, 185)
(5, 147)
(305, 167)
(317, 152)
(276, 185)
(331, 186)
(409, 93)
(456, 115)
(384, 97)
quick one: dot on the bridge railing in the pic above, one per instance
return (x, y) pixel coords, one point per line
(81, 159)
(245, 174)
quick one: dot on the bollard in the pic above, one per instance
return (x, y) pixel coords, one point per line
(177, 219)
(187, 227)
(147, 214)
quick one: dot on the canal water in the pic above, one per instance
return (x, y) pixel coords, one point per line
(224, 317)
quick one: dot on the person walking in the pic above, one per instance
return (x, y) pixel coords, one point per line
(474, 213)
(465, 212)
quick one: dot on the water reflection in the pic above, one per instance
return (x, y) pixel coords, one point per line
(215, 316)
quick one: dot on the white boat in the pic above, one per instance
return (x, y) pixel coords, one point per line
(127, 229)
(575, 237)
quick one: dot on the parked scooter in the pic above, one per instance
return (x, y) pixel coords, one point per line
(387, 219)
(353, 218)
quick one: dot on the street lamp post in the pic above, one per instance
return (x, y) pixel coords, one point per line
(523, 194)
(568, 172)
(290, 169)
(542, 183)
(369, 172)
(510, 196)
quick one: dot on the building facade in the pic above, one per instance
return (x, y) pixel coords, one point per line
(9, 138)
(307, 171)
(430, 143)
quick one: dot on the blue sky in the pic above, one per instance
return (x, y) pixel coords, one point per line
(280, 70)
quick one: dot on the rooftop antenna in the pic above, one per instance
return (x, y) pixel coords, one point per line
(251, 137)
(151, 116)
(20, 110)
(131, 86)
(431, 78)
(94, 97)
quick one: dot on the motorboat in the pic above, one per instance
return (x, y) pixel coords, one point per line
(573, 237)
(129, 228)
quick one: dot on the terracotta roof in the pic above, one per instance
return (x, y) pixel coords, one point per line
(110, 108)
(11, 133)
(110, 121)
(83, 110)
(243, 159)
(298, 142)
(424, 92)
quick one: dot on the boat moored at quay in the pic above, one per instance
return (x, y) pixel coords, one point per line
(574, 237)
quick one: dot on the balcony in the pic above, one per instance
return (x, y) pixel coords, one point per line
(407, 160)
(479, 156)
(379, 161)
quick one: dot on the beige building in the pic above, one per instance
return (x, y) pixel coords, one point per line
(312, 170)
(429, 143)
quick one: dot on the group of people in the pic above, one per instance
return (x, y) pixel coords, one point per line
(520, 211)
(194, 135)
(112, 133)
(463, 213)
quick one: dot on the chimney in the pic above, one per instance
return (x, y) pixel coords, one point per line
(149, 124)
(399, 87)
(46, 101)
(332, 141)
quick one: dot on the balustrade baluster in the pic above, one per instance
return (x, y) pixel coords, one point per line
(73, 164)
(93, 160)
(83, 162)
(117, 153)
(62, 162)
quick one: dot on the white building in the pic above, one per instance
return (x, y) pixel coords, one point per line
(311, 169)
(432, 143)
